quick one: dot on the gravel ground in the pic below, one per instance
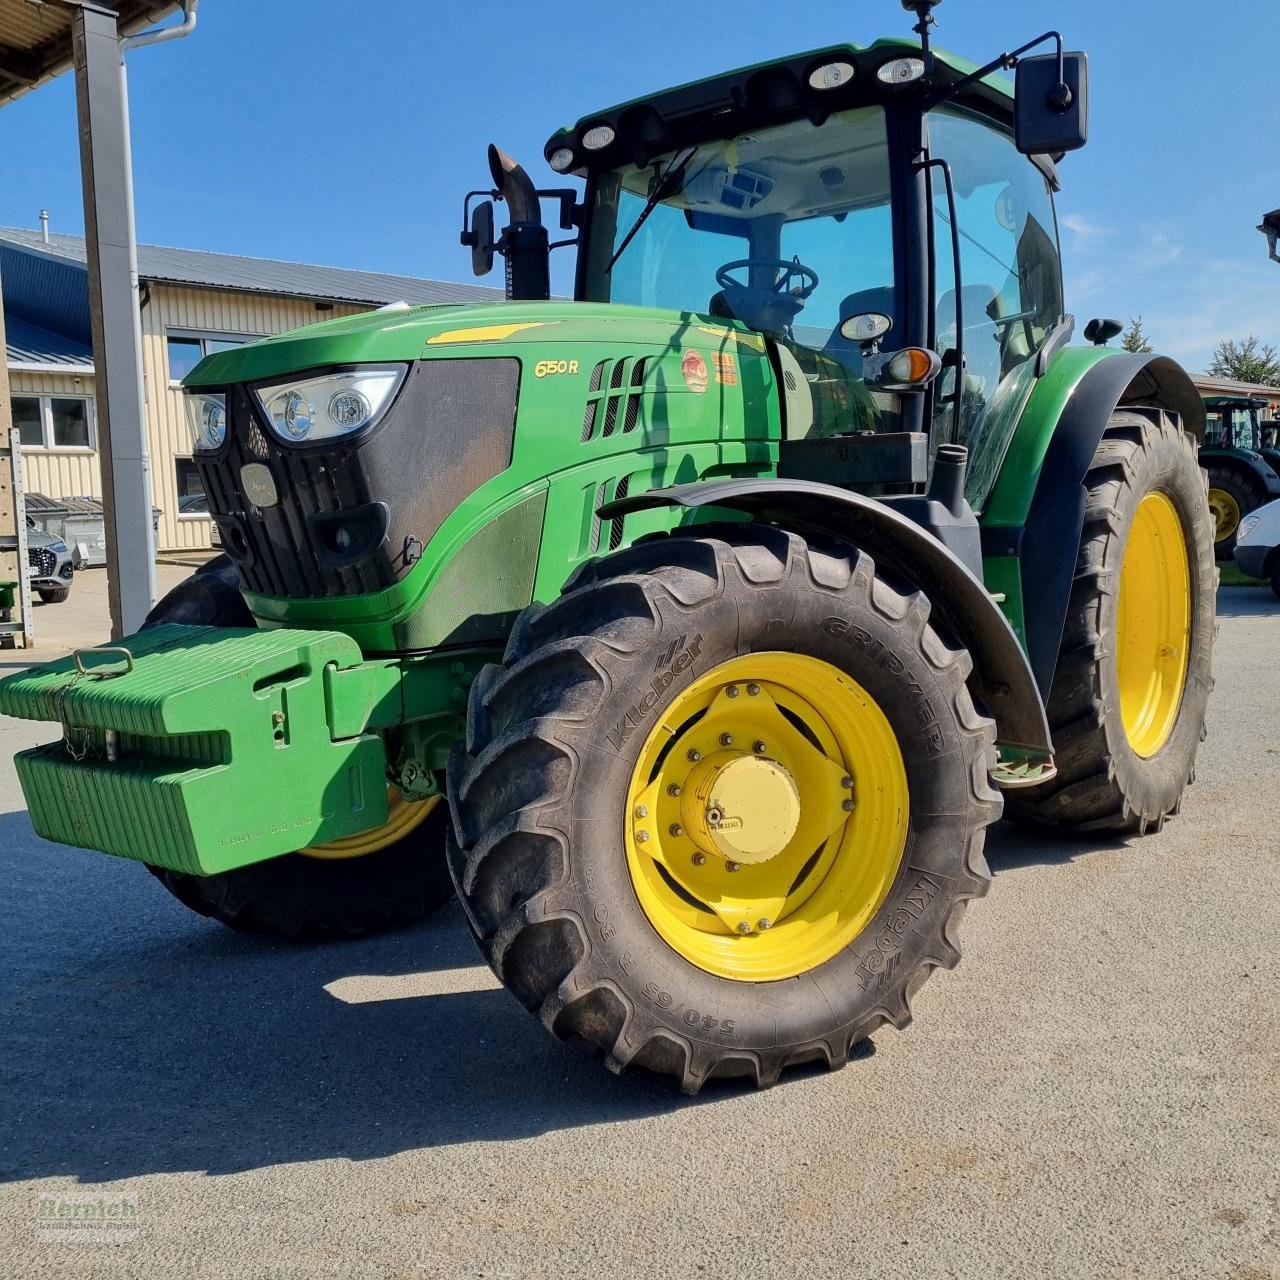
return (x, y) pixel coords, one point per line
(1093, 1093)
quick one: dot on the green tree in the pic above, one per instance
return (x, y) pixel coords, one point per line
(1134, 339)
(1248, 361)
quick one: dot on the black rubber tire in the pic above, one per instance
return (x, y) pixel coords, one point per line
(1275, 575)
(296, 896)
(1102, 783)
(53, 595)
(556, 915)
(1247, 496)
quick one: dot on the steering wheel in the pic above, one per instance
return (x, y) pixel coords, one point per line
(787, 270)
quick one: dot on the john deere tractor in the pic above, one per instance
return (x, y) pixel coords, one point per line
(692, 631)
(1243, 468)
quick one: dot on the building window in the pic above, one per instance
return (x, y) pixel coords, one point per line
(54, 422)
(186, 350)
(192, 501)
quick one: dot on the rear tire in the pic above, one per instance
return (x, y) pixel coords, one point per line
(302, 895)
(1231, 497)
(1103, 781)
(546, 854)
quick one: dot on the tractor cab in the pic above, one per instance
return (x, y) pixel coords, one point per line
(866, 211)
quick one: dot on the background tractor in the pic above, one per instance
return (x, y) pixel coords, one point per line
(1242, 465)
(694, 630)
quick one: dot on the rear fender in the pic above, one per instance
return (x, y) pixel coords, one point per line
(1255, 466)
(960, 605)
(1036, 512)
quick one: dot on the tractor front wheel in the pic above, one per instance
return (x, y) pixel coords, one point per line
(721, 807)
(366, 883)
(1127, 706)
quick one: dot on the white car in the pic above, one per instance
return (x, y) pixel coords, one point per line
(1258, 544)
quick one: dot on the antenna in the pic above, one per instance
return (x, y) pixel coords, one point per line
(923, 9)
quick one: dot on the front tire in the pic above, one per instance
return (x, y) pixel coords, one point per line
(1129, 696)
(54, 595)
(721, 807)
(365, 884)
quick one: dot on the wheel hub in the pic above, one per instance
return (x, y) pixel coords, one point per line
(743, 807)
(767, 816)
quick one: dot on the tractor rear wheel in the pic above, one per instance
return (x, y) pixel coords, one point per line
(1231, 497)
(376, 880)
(721, 807)
(1127, 706)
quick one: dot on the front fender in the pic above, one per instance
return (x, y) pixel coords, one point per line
(960, 605)
(1036, 510)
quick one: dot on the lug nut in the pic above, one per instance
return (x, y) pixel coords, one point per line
(676, 829)
(642, 811)
(641, 837)
(726, 739)
(673, 789)
(847, 806)
(693, 755)
(764, 923)
(743, 927)
(699, 859)
(714, 815)
(752, 690)
(846, 782)
(759, 748)
(731, 691)
(733, 866)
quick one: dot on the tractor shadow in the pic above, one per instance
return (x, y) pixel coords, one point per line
(1012, 846)
(142, 1039)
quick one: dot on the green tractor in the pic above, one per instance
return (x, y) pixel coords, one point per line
(1243, 465)
(692, 631)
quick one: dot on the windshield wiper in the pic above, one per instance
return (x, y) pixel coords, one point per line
(671, 182)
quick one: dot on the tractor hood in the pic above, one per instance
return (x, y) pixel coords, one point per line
(406, 335)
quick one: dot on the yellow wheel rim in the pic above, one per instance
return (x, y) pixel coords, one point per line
(403, 816)
(766, 817)
(1226, 514)
(1153, 625)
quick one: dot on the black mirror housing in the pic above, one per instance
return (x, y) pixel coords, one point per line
(481, 238)
(1051, 114)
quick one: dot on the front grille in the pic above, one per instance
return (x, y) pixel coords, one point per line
(43, 561)
(385, 491)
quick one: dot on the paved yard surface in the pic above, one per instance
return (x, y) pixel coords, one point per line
(1092, 1093)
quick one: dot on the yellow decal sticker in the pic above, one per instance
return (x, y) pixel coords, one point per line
(483, 333)
(752, 340)
(726, 368)
(545, 368)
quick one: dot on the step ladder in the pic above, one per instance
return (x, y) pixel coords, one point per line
(15, 583)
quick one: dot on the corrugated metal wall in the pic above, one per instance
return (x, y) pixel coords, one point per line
(199, 311)
(58, 473)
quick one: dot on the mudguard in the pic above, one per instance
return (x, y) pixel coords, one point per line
(1050, 539)
(1258, 464)
(960, 605)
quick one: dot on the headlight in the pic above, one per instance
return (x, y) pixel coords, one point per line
(335, 405)
(207, 417)
(58, 548)
(1242, 532)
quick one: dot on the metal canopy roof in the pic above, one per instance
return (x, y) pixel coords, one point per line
(35, 37)
(198, 268)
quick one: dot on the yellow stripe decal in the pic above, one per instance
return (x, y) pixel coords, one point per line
(483, 333)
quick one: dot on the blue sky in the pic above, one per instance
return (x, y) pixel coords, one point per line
(345, 132)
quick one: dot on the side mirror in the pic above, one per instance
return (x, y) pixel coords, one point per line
(480, 238)
(1051, 112)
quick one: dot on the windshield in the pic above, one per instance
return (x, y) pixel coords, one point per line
(787, 230)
